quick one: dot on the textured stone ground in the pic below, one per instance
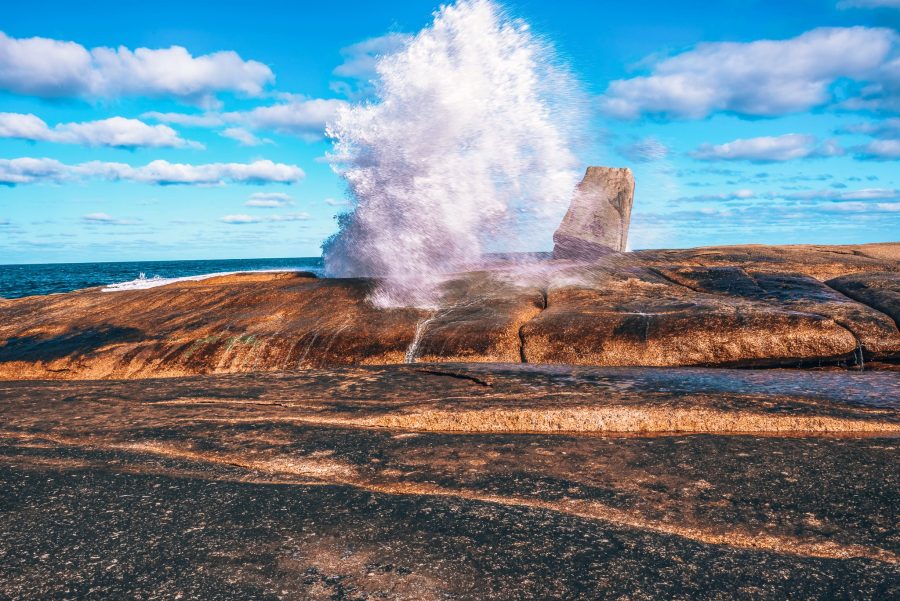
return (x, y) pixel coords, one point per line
(453, 481)
(252, 465)
(747, 306)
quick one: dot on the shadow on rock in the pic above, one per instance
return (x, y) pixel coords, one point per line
(72, 342)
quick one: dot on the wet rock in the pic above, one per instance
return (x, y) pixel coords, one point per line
(737, 306)
(597, 221)
(479, 320)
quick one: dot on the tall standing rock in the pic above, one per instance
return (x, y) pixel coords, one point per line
(596, 223)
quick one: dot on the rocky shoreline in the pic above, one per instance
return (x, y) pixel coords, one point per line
(746, 306)
(567, 429)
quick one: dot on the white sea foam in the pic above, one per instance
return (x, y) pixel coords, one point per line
(468, 149)
(143, 283)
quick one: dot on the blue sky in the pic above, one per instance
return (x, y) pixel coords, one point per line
(183, 131)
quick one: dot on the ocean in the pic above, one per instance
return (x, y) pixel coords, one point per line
(28, 280)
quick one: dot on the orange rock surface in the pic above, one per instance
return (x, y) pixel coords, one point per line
(718, 306)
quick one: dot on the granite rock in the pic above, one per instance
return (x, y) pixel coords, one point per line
(598, 217)
(726, 306)
(453, 481)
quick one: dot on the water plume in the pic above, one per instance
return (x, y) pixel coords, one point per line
(467, 149)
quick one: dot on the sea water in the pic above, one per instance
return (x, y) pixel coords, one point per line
(27, 280)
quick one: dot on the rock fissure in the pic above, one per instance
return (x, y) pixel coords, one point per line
(458, 375)
(523, 358)
(863, 300)
(858, 357)
(673, 281)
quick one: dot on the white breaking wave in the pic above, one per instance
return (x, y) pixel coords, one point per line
(468, 149)
(143, 283)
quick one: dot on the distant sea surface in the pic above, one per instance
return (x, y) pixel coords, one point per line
(28, 280)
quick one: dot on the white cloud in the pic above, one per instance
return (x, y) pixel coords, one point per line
(27, 170)
(31, 170)
(645, 151)
(242, 219)
(869, 194)
(289, 217)
(208, 119)
(105, 219)
(829, 199)
(838, 195)
(60, 69)
(163, 172)
(359, 67)
(882, 94)
(305, 119)
(879, 150)
(120, 132)
(343, 202)
(360, 58)
(888, 128)
(769, 212)
(246, 138)
(885, 146)
(845, 4)
(864, 207)
(116, 132)
(742, 194)
(269, 200)
(768, 149)
(761, 78)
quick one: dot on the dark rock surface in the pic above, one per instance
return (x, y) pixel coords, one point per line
(818, 261)
(729, 306)
(875, 331)
(880, 291)
(639, 316)
(347, 484)
(597, 221)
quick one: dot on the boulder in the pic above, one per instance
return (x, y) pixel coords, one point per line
(597, 221)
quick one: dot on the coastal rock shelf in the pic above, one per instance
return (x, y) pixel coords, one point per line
(795, 306)
(453, 481)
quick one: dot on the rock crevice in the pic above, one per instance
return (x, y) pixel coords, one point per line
(523, 357)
